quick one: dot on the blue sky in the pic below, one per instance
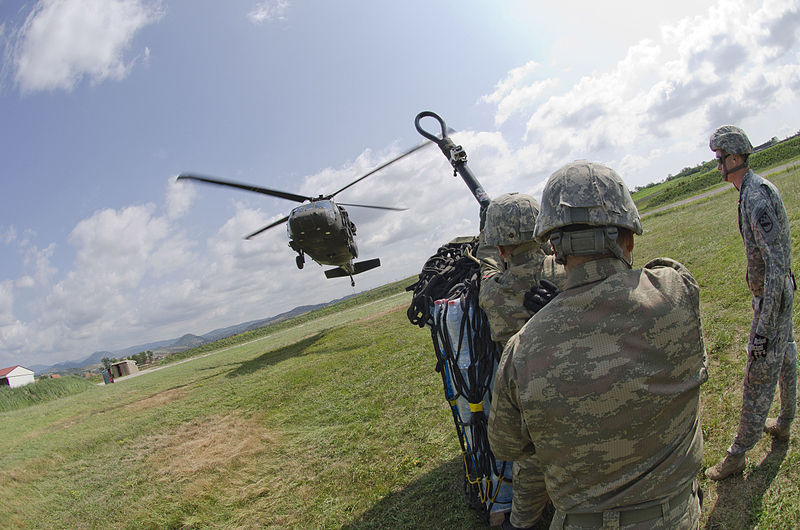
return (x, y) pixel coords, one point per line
(104, 102)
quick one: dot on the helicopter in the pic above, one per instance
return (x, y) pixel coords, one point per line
(319, 228)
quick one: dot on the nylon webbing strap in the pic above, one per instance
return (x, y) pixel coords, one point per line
(451, 277)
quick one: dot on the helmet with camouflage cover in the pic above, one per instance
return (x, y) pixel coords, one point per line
(510, 219)
(583, 205)
(730, 139)
(586, 193)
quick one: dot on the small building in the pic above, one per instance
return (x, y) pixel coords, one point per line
(123, 368)
(15, 376)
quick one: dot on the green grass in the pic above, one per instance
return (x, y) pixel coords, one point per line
(337, 419)
(707, 177)
(41, 391)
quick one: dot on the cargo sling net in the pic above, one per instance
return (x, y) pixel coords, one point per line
(446, 299)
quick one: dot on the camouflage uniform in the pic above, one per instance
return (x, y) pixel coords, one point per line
(764, 226)
(502, 293)
(503, 287)
(605, 382)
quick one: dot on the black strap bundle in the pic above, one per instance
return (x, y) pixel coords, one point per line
(446, 299)
(443, 276)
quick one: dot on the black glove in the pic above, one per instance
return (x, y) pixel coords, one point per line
(758, 348)
(540, 295)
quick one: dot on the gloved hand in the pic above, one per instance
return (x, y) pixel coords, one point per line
(540, 295)
(758, 348)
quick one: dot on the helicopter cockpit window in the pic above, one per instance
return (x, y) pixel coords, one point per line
(327, 205)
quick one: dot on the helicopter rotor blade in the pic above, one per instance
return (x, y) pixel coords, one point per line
(382, 166)
(272, 225)
(372, 206)
(247, 187)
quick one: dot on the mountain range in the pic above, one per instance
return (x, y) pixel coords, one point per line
(180, 344)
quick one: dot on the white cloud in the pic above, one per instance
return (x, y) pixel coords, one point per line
(268, 11)
(6, 303)
(734, 62)
(63, 41)
(25, 281)
(516, 93)
(180, 196)
(8, 234)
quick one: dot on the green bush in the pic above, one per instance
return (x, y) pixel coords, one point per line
(776, 154)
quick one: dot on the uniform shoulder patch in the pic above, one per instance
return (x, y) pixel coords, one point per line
(765, 221)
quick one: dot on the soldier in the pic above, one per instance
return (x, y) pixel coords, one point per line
(512, 262)
(518, 263)
(603, 383)
(771, 348)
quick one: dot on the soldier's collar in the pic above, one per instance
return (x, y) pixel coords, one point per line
(594, 271)
(523, 253)
(746, 178)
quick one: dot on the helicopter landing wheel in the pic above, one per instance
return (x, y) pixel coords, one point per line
(300, 261)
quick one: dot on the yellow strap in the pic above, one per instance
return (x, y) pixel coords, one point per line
(476, 407)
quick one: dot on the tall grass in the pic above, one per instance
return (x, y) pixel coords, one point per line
(41, 391)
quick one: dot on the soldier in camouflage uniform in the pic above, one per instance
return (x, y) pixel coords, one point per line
(603, 383)
(512, 262)
(771, 348)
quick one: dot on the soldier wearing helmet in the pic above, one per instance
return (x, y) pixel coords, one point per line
(771, 348)
(512, 263)
(603, 383)
(518, 264)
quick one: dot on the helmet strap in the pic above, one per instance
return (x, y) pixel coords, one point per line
(595, 240)
(726, 171)
(735, 169)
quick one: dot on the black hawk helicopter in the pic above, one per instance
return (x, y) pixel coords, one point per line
(321, 229)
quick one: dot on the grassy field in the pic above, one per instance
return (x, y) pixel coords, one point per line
(337, 419)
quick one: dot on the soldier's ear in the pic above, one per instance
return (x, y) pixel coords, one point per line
(625, 240)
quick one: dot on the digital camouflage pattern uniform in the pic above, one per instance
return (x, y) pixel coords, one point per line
(764, 226)
(604, 382)
(502, 293)
(503, 287)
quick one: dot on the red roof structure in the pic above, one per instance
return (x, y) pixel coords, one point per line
(6, 371)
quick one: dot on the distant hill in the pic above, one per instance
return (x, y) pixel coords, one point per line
(71, 365)
(181, 344)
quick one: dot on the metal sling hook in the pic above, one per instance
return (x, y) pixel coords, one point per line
(455, 155)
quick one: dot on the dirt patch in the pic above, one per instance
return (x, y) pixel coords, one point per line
(202, 446)
(155, 400)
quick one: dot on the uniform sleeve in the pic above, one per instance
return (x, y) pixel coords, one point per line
(765, 225)
(685, 294)
(507, 437)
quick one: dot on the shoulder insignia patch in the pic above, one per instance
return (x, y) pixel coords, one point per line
(766, 222)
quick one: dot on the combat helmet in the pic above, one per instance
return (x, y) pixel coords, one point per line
(510, 219)
(730, 139)
(583, 205)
